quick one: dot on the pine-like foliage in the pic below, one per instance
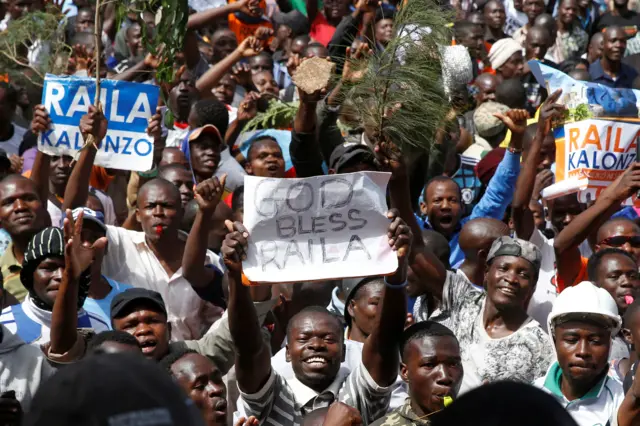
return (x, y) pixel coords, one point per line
(401, 97)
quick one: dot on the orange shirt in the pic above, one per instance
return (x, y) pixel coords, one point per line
(582, 276)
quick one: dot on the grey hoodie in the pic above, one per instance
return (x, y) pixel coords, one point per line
(22, 367)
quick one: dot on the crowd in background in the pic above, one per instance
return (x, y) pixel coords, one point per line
(505, 308)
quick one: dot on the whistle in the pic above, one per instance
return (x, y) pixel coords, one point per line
(448, 401)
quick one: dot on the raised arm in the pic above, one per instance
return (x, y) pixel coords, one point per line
(40, 170)
(250, 46)
(629, 411)
(499, 193)
(210, 16)
(77, 258)
(567, 241)
(522, 217)
(304, 149)
(77, 190)
(423, 262)
(207, 195)
(380, 353)
(253, 357)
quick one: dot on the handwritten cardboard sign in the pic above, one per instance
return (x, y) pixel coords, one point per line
(317, 228)
(127, 107)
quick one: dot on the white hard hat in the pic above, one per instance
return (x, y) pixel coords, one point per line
(585, 301)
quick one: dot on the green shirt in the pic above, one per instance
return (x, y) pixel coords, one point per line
(11, 268)
(402, 416)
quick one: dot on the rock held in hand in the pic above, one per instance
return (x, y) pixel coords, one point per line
(313, 74)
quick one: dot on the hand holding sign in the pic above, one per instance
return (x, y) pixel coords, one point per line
(235, 245)
(400, 238)
(40, 121)
(551, 110)
(208, 194)
(627, 184)
(93, 123)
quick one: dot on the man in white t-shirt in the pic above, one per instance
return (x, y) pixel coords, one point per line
(10, 134)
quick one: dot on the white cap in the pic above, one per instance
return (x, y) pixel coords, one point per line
(585, 300)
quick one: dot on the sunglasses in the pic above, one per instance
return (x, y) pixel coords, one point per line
(621, 240)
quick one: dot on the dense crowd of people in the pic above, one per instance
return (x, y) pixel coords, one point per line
(123, 295)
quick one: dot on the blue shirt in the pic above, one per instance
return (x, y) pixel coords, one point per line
(493, 203)
(102, 308)
(625, 78)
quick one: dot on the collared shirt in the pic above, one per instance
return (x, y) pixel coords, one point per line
(130, 260)
(283, 402)
(11, 268)
(624, 79)
(599, 406)
(493, 203)
(569, 45)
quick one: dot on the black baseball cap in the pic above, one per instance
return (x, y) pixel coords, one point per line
(345, 153)
(349, 288)
(124, 299)
(112, 390)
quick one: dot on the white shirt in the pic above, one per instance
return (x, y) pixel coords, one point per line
(130, 260)
(353, 357)
(598, 407)
(12, 145)
(43, 318)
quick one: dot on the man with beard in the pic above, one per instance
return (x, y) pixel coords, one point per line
(432, 368)
(610, 70)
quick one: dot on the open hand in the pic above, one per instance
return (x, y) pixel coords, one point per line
(94, 123)
(235, 245)
(241, 73)
(353, 70)
(515, 120)
(367, 6)
(208, 194)
(41, 122)
(79, 255)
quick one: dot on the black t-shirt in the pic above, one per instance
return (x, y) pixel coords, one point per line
(631, 18)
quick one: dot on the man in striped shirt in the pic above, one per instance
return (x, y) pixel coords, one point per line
(315, 347)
